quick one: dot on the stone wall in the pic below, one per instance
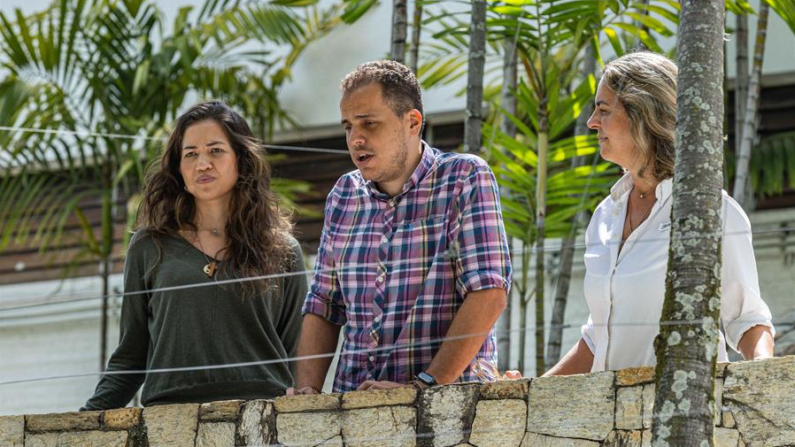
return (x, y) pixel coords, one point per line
(757, 402)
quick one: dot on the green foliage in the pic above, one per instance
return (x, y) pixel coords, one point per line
(772, 165)
(90, 87)
(785, 9)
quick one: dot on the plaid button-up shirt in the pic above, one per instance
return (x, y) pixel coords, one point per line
(394, 270)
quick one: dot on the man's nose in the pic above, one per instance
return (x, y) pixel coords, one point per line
(356, 138)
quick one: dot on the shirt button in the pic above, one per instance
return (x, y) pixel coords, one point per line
(377, 319)
(392, 202)
(379, 280)
(384, 239)
(371, 358)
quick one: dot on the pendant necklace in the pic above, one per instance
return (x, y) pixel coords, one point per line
(645, 215)
(212, 266)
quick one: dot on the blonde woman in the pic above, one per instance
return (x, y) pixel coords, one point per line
(627, 240)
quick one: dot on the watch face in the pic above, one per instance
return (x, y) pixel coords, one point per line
(426, 378)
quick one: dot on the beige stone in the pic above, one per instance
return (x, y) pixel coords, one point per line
(379, 398)
(760, 394)
(726, 437)
(221, 411)
(648, 405)
(74, 421)
(447, 414)
(728, 420)
(216, 434)
(42, 440)
(311, 402)
(335, 441)
(257, 423)
(721, 369)
(93, 439)
(537, 440)
(377, 427)
(12, 431)
(629, 408)
(635, 376)
(622, 438)
(121, 418)
(580, 406)
(499, 423)
(307, 429)
(646, 442)
(171, 425)
(505, 389)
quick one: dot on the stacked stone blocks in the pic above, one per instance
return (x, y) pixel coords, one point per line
(755, 402)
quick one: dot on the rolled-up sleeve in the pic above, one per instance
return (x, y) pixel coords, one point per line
(588, 334)
(742, 306)
(482, 261)
(325, 297)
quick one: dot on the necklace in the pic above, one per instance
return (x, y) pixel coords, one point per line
(632, 227)
(212, 266)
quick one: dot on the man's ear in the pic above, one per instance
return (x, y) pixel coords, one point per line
(415, 121)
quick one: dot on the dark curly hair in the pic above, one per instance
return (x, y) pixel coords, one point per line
(258, 230)
(399, 86)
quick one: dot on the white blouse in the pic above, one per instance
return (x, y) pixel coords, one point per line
(625, 291)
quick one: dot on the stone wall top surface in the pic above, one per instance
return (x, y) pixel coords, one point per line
(755, 407)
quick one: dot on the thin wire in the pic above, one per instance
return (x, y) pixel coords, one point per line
(449, 254)
(351, 352)
(144, 137)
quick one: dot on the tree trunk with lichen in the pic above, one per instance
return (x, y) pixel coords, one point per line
(477, 62)
(687, 346)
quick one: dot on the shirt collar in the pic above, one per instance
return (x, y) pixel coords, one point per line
(427, 161)
(625, 184)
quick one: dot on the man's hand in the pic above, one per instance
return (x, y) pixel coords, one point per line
(302, 391)
(380, 385)
(511, 375)
(318, 337)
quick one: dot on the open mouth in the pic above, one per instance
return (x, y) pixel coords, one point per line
(362, 158)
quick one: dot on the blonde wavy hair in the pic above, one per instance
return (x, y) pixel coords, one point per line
(645, 84)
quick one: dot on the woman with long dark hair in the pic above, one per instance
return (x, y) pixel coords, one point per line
(208, 215)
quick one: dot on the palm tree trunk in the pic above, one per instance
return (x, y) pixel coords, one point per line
(105, 270)
(688, 342)
(508, 104)
(399, 25)
(741, 184)
(567, 245)
(541, 193)
(477, 62)
(416, 30)
(741, 79)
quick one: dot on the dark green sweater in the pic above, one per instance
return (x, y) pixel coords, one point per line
(207, 325)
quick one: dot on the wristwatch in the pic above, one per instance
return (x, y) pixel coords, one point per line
(426, 379)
